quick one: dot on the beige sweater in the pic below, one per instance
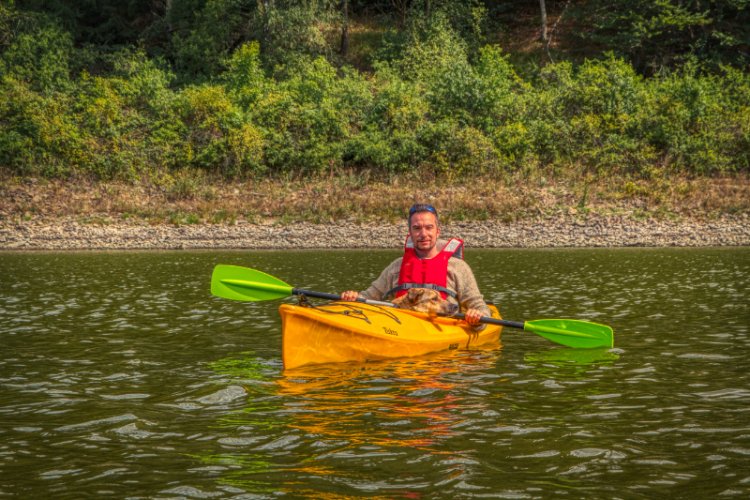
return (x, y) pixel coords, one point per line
(460, 279)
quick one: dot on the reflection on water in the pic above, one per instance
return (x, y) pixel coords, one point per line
(572, 357)
(121, 376)
(413, 402)
(326, 416)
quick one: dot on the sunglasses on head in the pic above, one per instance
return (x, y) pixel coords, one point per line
(422, 207)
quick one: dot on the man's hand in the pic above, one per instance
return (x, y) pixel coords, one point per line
(472, 316)
(350, 295)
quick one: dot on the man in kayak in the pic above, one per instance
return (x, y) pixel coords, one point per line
(429, 262)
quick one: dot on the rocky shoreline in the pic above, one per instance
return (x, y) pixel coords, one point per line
(563, 231)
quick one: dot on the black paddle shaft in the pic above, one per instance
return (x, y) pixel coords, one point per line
(319, 295)
(492, 321)
(332, 296)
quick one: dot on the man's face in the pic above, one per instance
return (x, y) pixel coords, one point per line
(424, 232)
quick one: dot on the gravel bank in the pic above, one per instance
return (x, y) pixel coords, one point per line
(561, 232)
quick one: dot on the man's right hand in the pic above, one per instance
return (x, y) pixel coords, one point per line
(350, 295)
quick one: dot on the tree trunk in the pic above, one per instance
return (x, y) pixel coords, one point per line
(547, 37)
(345, 29)
(402, 8)
(265, 7)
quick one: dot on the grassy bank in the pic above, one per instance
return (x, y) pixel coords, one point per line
(197, 199)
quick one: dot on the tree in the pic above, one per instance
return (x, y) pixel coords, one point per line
(101, 22)
(543, 9)
(656, 34)
(345, 28)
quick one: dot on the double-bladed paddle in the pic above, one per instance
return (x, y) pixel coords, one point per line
(250, 285)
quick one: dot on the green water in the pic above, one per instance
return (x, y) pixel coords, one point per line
(120, 376)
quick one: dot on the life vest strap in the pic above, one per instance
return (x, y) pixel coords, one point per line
(455, 246)
(406, 286)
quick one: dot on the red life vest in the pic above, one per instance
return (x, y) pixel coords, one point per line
(427, 273)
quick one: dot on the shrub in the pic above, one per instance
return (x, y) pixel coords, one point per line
(201, 35)
(387, 138)
(244, 76)
(207, 117)
(38, 136)
(457, 151)
(126, 116)
(431, 49)
(696, 124)
(35, 50)
(293, 31)
(514, 143)
(586, 116)
(501, 94)
(436, 105)
(395, 151)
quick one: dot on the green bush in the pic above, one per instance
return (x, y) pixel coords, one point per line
(585, 116)
(457, 151)
(431, 49)
(696, 124)
(201, 35)
(244, 76)
(34, 50)
(289, 32)
(127, 116)
(302, 118)
(436, 105)
(209, 121)
(39, 137)
(501, 95)
(514, 143)
(386, 138)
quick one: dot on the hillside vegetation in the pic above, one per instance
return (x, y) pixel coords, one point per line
(180, 96)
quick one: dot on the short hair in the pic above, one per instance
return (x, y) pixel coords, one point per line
(422, 207)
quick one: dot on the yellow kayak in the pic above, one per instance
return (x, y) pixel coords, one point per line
(352, 331)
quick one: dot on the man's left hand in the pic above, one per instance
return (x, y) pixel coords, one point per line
(472, 316)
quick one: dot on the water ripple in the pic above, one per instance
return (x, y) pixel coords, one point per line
(156, 389)
(96, 423)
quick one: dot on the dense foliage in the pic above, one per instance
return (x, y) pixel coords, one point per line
(658, 34)
(123, 89)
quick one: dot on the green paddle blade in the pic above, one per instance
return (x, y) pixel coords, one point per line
(572, 356)
(249, 285)
(572, 332)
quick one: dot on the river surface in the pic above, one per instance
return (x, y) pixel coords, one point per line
(121, 376)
